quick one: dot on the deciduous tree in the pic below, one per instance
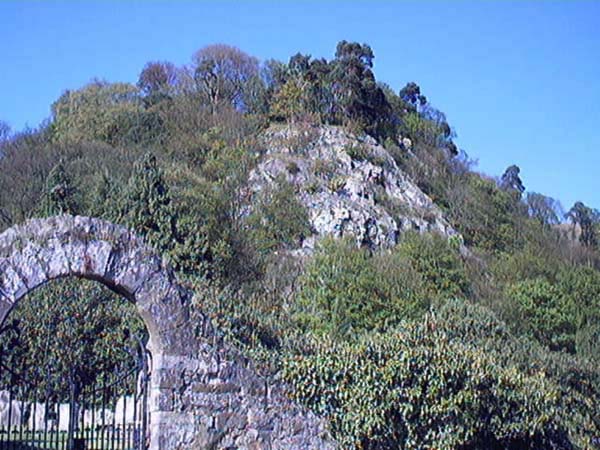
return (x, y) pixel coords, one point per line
(221, 71)
(586, 218)
(157, 81)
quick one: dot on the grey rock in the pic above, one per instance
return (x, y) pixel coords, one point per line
(367, 197)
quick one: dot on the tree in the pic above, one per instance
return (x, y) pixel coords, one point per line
(147, 205)
(148, 209)
(70, 330)
(320, 99)
(544, 209)
(100, 111)
(412, 97)
(287, 101)
(256, 96)
(511, 181)
(4, 131)
(304, 89)
(221, 72)
(586, 218)
(359, 100)
(4, 136)
(59, 195)
(157, 81)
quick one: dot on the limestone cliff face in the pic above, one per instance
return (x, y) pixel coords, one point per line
(350, 185)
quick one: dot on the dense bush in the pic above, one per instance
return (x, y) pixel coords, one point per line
(545, 312)
(345, 289)
(112, 113)
(279, 219)
(435, 383)
(554, 302)
(437, 261)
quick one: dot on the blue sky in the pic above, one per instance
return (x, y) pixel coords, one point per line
(519, 81)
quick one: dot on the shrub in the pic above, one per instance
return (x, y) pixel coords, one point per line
(358, 152)
(438, 262)
(553, 302)
(546, 313)
(280, 220)
(324, 168)
(292, 167)
(431, 384)
(337, 183)
(345, 290)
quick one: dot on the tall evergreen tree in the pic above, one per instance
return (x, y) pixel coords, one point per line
(147, 207)
(511, 181)
(360, 100)
(60, 193)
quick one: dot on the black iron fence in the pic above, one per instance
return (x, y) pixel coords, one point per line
(109, 414)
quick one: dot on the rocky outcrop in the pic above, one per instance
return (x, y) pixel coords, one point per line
(350, 185)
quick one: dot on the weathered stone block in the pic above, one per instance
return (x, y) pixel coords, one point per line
(11, 284)
(5, 307)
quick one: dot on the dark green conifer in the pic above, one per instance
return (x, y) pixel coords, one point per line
(60, 193)
(147, 206)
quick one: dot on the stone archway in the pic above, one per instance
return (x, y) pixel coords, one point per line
(203, 394)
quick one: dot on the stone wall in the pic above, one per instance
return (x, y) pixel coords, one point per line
(203, 394)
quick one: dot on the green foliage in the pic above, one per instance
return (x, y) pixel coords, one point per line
(438, 262)
(71, 329)
(60, 193)
(581, 285)
(147, 207)
(287, 102)
(485, 215)
(545, 298)
(431, 384)
(339, 291)
(345, 290)
(361, 101)
(546, 313)
(211, 199)
(358, 152)
(108, 112)
(279, 220)
(530, 262)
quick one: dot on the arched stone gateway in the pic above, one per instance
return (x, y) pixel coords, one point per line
(202, 393)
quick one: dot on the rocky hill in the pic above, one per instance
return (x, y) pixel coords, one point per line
(350, 185)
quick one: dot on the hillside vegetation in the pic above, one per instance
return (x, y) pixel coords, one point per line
(333, 230)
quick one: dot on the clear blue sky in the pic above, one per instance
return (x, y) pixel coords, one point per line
(518, 80)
